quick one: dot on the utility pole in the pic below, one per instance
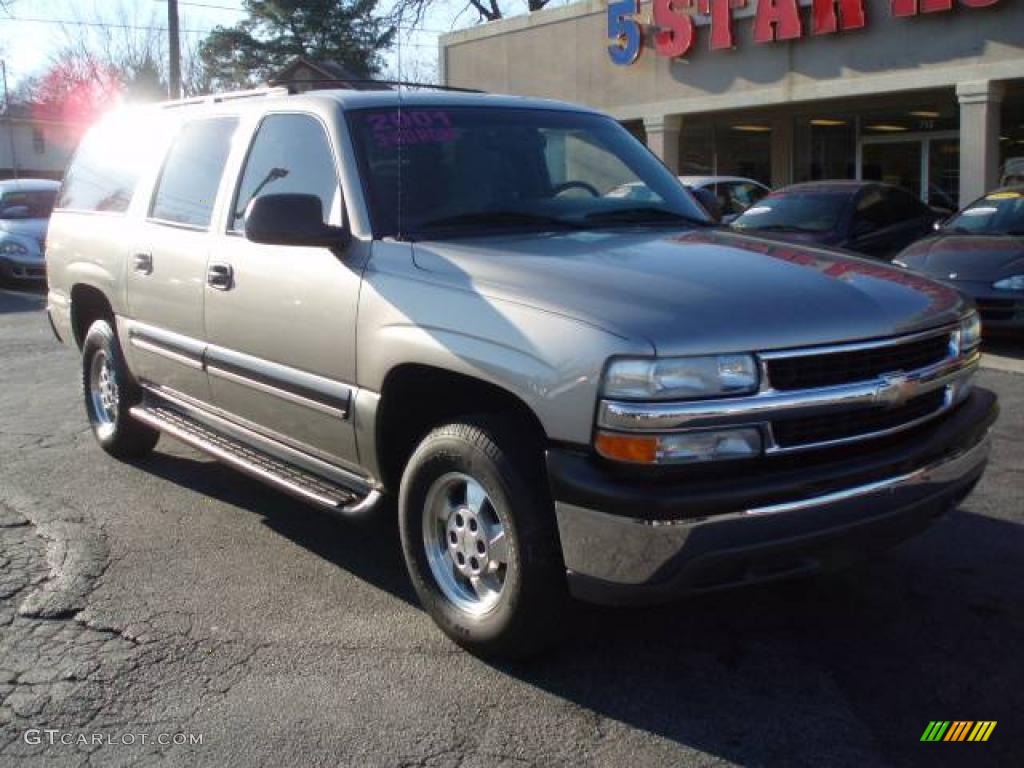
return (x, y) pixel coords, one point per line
(10, 120)
(174, 46)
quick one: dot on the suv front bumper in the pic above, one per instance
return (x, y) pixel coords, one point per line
(626, 539)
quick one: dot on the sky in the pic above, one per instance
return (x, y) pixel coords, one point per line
(31, 31)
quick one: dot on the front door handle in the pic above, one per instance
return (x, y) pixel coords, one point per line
(143, 263)
(220, 276)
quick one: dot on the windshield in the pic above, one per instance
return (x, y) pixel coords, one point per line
(27, 204)
(799, 211)
(1001, 213)
(467, 171)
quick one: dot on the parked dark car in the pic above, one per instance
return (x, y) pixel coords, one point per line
(980, 251)
(874, 219)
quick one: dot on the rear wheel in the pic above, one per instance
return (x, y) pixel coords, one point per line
(109, 393)
(479, 538)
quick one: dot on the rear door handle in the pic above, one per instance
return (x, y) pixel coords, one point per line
(220, 276)
(143, 263)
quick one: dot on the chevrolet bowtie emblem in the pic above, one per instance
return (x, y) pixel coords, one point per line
(894, 390)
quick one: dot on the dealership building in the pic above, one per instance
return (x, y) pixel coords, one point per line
(927, 94)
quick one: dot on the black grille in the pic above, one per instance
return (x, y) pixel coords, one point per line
(838, 426)
(835, 368)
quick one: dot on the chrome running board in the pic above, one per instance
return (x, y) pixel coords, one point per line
(256, 463)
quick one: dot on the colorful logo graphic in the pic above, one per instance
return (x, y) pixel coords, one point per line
(958, 730)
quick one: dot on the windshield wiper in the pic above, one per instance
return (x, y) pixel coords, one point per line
(642, 214)
(495, 218)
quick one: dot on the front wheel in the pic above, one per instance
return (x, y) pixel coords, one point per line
(110, 392)
(479, 538)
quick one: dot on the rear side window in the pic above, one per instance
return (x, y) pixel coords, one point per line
(192, 171)
(905, 206)
(107, 165)
(289, 155)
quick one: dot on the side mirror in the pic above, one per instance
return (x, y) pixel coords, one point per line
(291, 219)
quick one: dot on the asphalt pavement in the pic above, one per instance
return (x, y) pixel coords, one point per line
(177, 601)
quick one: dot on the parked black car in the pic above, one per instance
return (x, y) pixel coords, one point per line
(874, 219)
(981, 252)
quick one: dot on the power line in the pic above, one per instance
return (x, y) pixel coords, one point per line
(208, 5)
(104, 24)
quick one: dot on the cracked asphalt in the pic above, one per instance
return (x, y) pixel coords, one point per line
(178, 597)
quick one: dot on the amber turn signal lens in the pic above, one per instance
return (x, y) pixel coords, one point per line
(636, 449)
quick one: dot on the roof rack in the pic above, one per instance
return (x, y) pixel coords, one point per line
(216, 98)
(292, 85)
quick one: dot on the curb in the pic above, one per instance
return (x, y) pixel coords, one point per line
(999, 363)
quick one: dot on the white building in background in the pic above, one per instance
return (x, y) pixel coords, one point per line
(34, 146)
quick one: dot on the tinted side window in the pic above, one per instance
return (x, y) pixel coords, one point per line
(905, 206)
(107, 164)
(290, 155)
(192, 170)
(875, 209)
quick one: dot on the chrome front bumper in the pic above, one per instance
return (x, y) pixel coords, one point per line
(612, 558)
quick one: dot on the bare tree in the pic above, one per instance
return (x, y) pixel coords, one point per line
(412, 12)
(131, 46)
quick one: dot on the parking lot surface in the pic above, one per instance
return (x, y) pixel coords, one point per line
(178, 600)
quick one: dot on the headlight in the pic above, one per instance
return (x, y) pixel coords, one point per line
(680, 447)
(1015, 283)
(970, 332)
(13, 248)
(681, 378)
(899, 263)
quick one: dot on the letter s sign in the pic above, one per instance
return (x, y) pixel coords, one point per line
(624, 32)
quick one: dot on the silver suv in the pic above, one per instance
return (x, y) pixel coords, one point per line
(432, 298)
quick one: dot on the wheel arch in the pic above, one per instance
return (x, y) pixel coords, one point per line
(416, 398)
(89, 304)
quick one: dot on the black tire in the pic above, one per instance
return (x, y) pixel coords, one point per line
(117, 432)
(527, 616)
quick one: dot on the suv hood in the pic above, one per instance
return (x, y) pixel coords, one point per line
(969, 257)
(698, 292)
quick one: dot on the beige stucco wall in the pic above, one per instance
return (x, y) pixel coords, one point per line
(561, 53)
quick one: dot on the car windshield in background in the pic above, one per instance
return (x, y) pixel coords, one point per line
(817, 211)
(27, 204)
(443, 172)
(1001, 213)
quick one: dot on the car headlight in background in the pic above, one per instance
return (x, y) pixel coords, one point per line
(899, 263)
(681, 378)
(1014, 283)
(12, 248)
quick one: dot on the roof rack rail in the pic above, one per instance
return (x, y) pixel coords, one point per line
(216, 98)
(292, 85)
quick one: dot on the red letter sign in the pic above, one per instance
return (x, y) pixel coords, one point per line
(913, 7)
(825, 22)
(675, 28)
(777, 20)
(721, 20)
